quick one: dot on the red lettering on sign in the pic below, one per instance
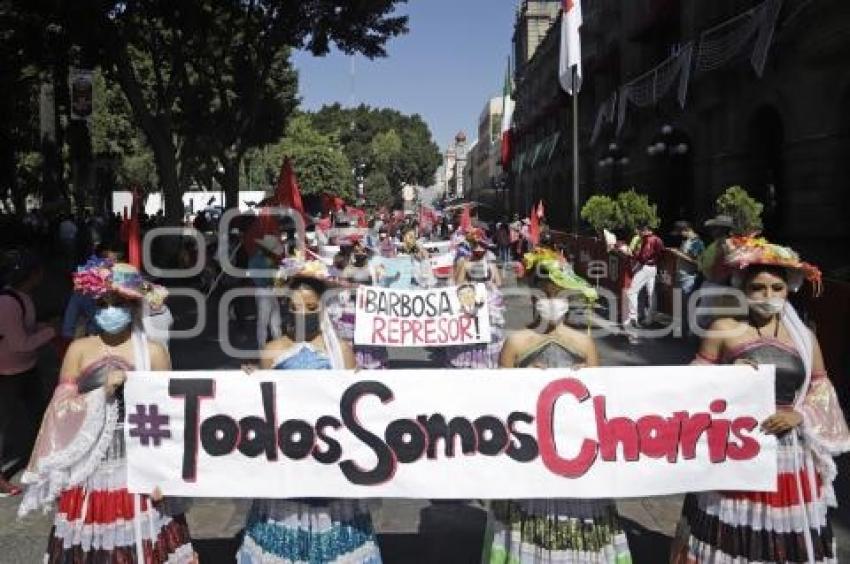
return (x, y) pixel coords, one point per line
(378, 326)
(569, 468)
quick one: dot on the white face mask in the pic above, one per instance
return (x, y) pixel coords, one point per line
(768, 307)
(552, 310)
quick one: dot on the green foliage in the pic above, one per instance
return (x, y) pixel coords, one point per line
(636, 210)
(377, 190)
(320, 166)
(601, 212)
(386, 148)
(207, 80)
(744, 210)
(116, 139)
(397, 145)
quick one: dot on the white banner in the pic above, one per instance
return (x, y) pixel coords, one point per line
(599, 432)
(439, 317)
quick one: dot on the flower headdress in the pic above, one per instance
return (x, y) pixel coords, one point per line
(753, 251)
(475, 236)
(101, 277)
(291, 268)
(548, 264)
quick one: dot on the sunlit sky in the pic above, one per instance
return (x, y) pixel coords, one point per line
(452, 61)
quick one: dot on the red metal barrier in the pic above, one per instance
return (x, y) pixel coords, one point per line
(668, 266)
(829, 314)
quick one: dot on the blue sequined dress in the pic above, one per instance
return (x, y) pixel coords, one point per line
(308, 530)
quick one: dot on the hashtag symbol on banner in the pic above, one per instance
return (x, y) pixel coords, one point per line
(148, 425)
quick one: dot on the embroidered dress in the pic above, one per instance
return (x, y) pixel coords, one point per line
(554, 531)
(308, 530)
(482, 355)
(79, 463)
(787, 525)
(343, 317)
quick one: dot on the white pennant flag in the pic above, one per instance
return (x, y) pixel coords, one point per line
(570, 45)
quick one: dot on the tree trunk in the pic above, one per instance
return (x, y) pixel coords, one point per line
(230, 183)
(166, 167)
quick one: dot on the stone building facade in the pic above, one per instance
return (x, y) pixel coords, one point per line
(484, 170)
(454, 165)
(753, 93)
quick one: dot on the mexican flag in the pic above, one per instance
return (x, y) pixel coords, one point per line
(507, 119)
(570, 45)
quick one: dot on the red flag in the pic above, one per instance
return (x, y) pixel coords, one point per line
(265, 224)
(465, 219)
(134, 232)
(288, 193)
(331, 203)
(359, 214)
(507, 120)
(124, 229)
(534, 227)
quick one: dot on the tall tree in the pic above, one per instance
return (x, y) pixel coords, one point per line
(398, 146)
(320, 165)
(156, 50)
(242, 90)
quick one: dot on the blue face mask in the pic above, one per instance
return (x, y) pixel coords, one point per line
(113, 319)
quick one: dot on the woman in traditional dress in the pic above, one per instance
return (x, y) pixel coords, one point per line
(308, 530)
(790, 524)
(79, 460)
(553, 530)
(361, 271)
(471, 267)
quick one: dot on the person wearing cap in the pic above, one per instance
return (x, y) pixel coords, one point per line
(686, 266)
(791, 523)
(553, 530)
(20, 340)
(646, 264)
(266, 259)
(79, 462)
(713, 274)
(711, 262)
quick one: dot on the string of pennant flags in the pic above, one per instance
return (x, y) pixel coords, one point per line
(716, 47)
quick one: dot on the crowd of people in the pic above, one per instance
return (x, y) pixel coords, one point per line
(78, 465)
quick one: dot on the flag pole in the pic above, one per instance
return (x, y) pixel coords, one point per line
(575, 150)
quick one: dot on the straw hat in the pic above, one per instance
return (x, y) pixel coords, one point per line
(753, 251)
(98, 278)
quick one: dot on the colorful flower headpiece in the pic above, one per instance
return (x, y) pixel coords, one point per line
(752, 251)
(475, 235)
(101, 277)
(298, 268)
(548, 264)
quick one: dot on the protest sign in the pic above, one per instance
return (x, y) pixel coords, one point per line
(403, 271)
(442, 265)
(441, 317)
(598, 432)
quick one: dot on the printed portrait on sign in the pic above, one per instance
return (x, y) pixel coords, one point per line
(470, 300)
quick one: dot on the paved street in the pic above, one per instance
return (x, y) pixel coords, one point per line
(411, 531)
